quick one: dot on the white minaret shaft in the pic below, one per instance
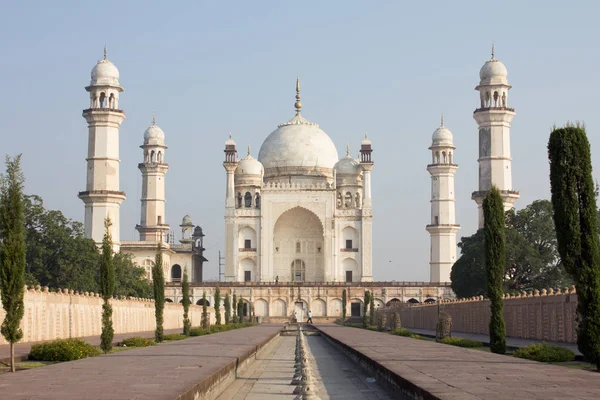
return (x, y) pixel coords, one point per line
(494, 117)
(230, 164)
(442, 227)
(153, 224)
(102, 197)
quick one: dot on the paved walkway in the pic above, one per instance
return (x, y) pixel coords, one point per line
(510, 341)
(164, 371)
(450, 372)
(336, 376)
(22, 349)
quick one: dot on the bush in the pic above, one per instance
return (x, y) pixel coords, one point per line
(544, 353)
(199, 332)
(406, 333)
(136, 341)
(461, 342)
(175, 336)
(63, 350)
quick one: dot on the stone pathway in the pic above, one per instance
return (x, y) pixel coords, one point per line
(336, 376)
(510, 341)
(450, 372)
(164, 371)
(22, 349)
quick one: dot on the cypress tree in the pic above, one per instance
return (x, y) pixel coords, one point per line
(240, 309)
(365, 320)
(107, 287)
(495, 258)
(372, 307)
(344, 301)
(576, 221)
(205, 322)
(158, 280)
(12, 253)
(218, 305)
(185, 293)
(227, 308)
(234, 306)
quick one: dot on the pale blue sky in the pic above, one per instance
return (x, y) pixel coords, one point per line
(208, 68)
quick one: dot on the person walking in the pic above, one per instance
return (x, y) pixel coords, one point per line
(309, 321)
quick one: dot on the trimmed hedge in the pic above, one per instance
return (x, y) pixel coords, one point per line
(62, 350)
(175, 336)
(545, 353)
(406, 333)
(219, 328)
(461, 342)
(137, 341)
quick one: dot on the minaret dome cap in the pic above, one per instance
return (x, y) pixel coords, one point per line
(154, 133)
(105, 73)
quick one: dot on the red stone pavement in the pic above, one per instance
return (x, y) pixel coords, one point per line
(164, 371)
(450, 372)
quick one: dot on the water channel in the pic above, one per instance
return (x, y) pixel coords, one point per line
(333, 374)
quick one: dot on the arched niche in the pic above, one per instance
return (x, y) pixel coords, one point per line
(350, 270)
(298, 235)
(176, 273)
(349, 238)
(335, 308)
(247, 238)
(279, 308)
(318, 308)
(248, 271)
(261, 308)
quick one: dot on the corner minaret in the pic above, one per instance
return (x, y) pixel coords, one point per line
(494, 117)
(442, 227)
(102, 197)
(366, 164)
(230, 164)
(153, 224)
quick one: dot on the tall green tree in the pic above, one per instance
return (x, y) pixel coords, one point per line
(371, 309)
(158, 281)
(185, 293)
(576, 221)
(235, 306)
(130, 280)
(107, 286)
(204, 322)
(227, 308)
(468, 274)
(240, 309)
(344, 301)
(12, 253)
(365, 319)
(217, 305)
(495, 259)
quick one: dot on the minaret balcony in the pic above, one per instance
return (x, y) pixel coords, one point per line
(102, 195)
(442, 228)
(480, 194)
(482, 109)
(247, 250)
(345, 250)
(105, 109)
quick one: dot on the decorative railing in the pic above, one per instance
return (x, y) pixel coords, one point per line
(247, 249)
(494, 109)
(345, 250)
(315, 284)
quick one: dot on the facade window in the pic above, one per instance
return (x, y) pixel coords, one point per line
(298, 271)
(247, 243)
(298, 248)
(349, 243)
(239, 200)
(436, 220)
(247, 276)
(248, 200)
(159, 220)
(348, 276)
(176, 273)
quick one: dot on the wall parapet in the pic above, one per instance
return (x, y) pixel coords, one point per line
(65, 313)
(547, 314)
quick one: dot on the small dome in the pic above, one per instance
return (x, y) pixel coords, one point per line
(442, 135)
(187, 221)
(366, 140)
(348, 166)
(493, 69)
(229, 141)
(105, 73)
(249, 166)
(154, 133)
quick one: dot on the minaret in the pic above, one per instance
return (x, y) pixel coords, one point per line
(366, 163)
(102, 197)
(442, 227)
(230, 164)
(494, 117)
(153, 224)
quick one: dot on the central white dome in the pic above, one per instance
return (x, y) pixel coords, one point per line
(298, 143)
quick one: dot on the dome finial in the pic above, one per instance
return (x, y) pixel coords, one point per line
(229, 135)
(153, 120)
(347, 149)
(493, 51)
(298, 104)
(442, 120)
(248, 148)
(105, 51)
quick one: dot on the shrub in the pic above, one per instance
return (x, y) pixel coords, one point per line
(175, 336)
(136, 341)
(461, 342)
(402, 332)
(545, 353)
(63, 350)
(199, 332)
